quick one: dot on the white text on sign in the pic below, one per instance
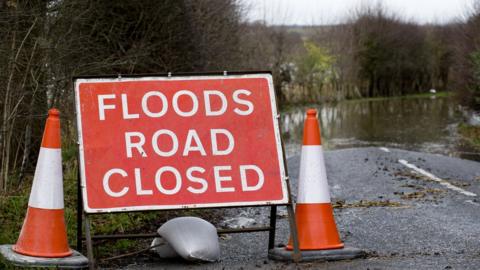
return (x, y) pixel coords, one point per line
(195, 183)
(103, 106)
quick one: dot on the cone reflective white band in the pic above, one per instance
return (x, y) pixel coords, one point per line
(47, 188)
(313, 185)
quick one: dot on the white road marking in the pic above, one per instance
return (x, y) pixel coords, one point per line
(471, 202)
(436, 179)
(384, 149)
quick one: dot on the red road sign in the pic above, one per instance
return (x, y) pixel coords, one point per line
(176, 142)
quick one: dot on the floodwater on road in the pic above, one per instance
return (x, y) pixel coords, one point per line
(426, 124)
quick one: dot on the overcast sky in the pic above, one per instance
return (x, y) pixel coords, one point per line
(314, 12)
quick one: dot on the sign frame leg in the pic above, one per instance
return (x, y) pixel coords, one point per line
(273, 227)
(88, 238)
(79, 211)
(293, 228)
(297, 256)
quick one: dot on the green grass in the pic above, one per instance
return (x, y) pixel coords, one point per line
(470, 133)
(7, 266)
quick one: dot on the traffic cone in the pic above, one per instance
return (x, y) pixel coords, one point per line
(313, 212)
(44, 232)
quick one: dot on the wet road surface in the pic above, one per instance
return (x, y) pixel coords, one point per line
(408, 210)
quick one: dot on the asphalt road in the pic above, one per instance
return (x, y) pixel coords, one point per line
(408, 210)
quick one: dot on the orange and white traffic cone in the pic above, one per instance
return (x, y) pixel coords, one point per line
(44, 232)
(313, 211)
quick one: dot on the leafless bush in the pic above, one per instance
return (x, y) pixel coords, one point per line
(44, 43)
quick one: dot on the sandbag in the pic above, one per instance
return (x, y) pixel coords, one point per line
(192, 238)
(163, 248)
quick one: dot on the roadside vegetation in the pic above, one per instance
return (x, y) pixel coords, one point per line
(44, 43)
(471, 134)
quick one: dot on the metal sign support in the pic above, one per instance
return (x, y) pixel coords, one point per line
(83, 218)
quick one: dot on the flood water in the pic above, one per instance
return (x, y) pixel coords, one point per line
(418, 124)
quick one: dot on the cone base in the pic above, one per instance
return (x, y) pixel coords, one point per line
(339, 246)
(42, 255)
(346, 253)
(74, 261)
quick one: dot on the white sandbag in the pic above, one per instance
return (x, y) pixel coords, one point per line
(192, 238)
(163, 248)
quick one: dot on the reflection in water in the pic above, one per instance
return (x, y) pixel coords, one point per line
(417, 124)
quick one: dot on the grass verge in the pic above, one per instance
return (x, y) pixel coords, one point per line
(470, 134)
